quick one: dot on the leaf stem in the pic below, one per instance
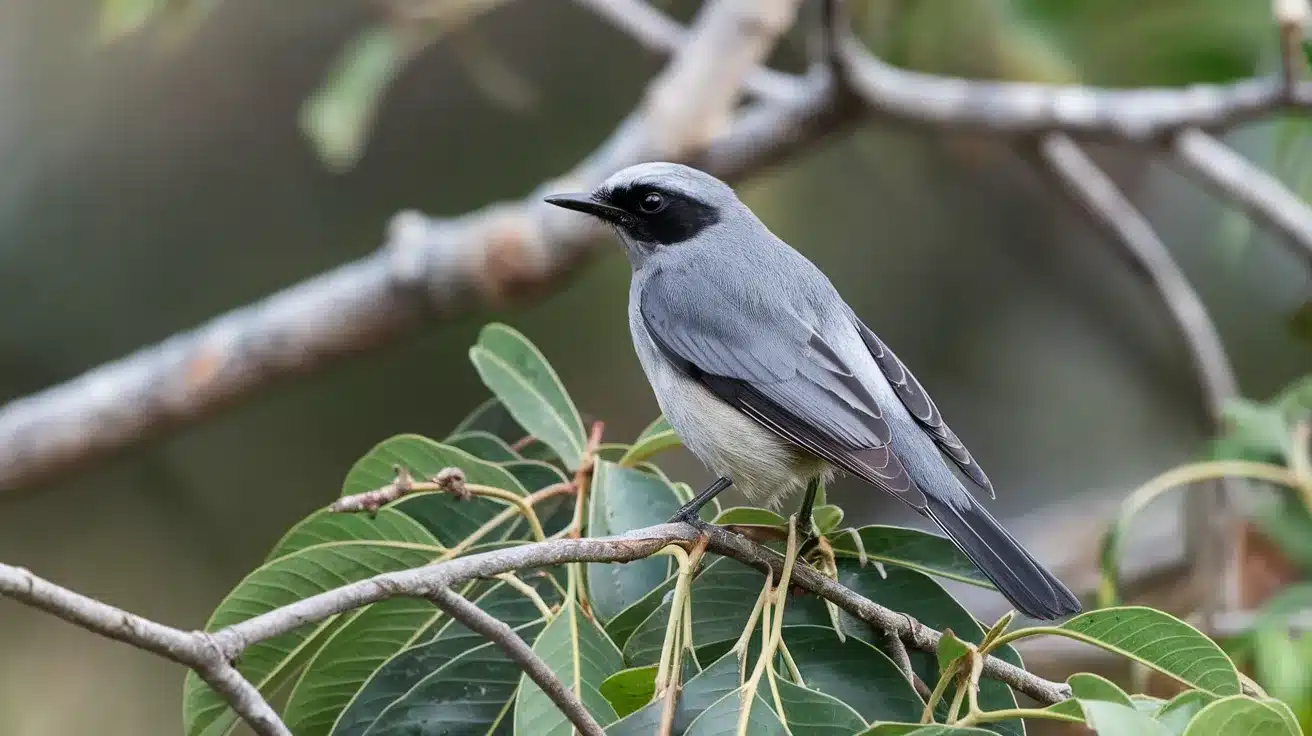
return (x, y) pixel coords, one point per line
(992, 716)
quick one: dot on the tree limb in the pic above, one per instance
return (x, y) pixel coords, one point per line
(210, 654)
(195, 650)
(517, 649)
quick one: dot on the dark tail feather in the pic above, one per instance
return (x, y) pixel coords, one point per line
(1033, 590)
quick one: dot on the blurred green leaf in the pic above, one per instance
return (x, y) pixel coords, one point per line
(491, 417)
(1181, 709)
(622, 500)
(656, 438)
(1300, 322)
(1114, 719)
(721, 719)
(916, 729)
(1239, 716)
(1259, 429)
(525, 382)
(338, 116)
(582, 656)
(913, 549)
(1162, 642)
(286, 580)
(811, 712)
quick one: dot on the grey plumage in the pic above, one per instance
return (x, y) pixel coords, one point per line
(769, 377)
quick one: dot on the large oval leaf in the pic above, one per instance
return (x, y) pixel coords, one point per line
(722, 718)
(922, 598)
(483, 445)
(491, 417)
(448, 518)
(582, 656)
(520, 376)
(722, 600)
(622, 626)
(853, 672)
(278, 583)
(811, 712)
(1239, 716)
(1180, 710)
(895, 545)
(387, 684)
(698, 693)
(326, 526)
(623, 500)
(1162, 642)
(1114, 719)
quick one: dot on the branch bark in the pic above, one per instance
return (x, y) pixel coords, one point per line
(211, 653)
(513, 250)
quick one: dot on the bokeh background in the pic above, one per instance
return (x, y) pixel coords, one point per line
(152, 177)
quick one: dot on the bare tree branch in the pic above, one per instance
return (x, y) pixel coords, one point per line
(517, 649)
(1208, 540)
(192, 649)
(212, 652)
(510, 250)
(1255, 191)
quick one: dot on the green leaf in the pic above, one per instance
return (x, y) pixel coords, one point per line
(916, 729)
(491, 417)
(484, 446)
(338, 116)
(1088, 686)
(622, 626)
(1260, 430)
(582, 656)
(1181, 709)
(1147, 703)
(750, 516)
(922, 598)
(1239, 716)
(445, 516)
(854, 672)
(433, 645)
(630, 689)
(811, 712)
(1286, 714)
(721, 719)
(699, 693)
(326, 526)
(1114, 719)
(1162, 642)
(912, 548)
(656, 438)
(950, 649)
(622, 500)
(827, 518)
(520, 376)
(723, 596)
(285, 580)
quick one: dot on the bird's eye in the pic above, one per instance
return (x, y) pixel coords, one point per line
(652, 203)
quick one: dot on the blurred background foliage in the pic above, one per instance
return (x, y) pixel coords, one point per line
(166, 160)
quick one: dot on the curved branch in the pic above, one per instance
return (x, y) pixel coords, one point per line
(521, 653)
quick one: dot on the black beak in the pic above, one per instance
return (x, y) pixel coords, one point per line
(583, 202)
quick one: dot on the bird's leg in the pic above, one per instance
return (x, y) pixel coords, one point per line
(804, 525)
(688, 512)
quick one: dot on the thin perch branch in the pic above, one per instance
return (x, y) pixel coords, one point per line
(195, 650)
(518, 650)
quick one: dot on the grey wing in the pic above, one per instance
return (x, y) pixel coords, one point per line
(922, 407)
(762, 358)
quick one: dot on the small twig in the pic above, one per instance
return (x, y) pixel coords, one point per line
(517, 649)
(520, 444)
(195, 650)
(1291, 16)
(447, 480)
(1245, 185)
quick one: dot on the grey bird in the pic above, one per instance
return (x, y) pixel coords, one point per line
(768, 376)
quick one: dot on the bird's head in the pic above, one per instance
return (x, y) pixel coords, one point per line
(657, 205)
